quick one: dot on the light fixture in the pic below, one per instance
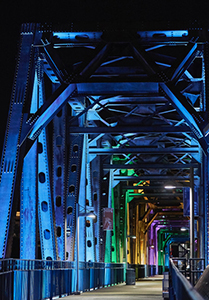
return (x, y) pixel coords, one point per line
(169, 186)
(131, 236)
(184, 229)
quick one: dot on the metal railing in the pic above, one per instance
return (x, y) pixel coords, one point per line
(179, 287)
(142, 271)
(191, 268)
(38, 279)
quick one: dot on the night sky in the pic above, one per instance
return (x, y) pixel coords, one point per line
(112, 13)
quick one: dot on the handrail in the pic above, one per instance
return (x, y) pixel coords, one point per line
(180, 286)
(36, 279)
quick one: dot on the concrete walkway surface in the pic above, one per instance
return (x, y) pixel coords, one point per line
(147, 289)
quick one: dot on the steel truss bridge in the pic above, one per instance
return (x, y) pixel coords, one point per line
(105, 119)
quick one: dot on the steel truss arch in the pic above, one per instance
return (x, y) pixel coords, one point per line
(114, 109)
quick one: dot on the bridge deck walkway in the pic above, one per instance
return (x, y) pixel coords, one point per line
(147, 289)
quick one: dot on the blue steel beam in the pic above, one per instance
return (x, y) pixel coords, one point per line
(90, 234)
(45, 200)
(48, 111)
(183, 63)
(180, 102)
(52, 106)
(110, 151)
(95, 62)
(96, 202)
(82, 204)
(28, 203)
(117, 88)
(59, 182)
(184, 108)
(77, 189)
(28, 206)
(131, 129)
(55, 62)
(74, 170)
(204, 208)
(10, 153)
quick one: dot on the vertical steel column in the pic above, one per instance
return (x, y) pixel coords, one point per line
(205, 161)
(74, 170)
(45, 202)
(191, 213)
(77, 248)
(28, 203)
(116, 224)
(96, 196)
(128, 252)
(108, 243)
(10, 153)
(90, 239)
(59, 183)
(82, 203)
(28, 213)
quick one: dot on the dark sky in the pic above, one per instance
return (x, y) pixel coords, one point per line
(115, 12)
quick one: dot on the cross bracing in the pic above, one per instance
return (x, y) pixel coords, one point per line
(89, 112)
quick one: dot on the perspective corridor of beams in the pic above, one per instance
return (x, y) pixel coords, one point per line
(103, 111)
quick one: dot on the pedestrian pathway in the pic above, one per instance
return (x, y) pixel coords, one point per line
(147, 289)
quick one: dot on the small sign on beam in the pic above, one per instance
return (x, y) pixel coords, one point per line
(107, 218)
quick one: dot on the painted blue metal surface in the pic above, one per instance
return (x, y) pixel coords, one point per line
(11, 144)
(28, 208)
(82, 202)
(43, 279)
(50, 111)
(28, 203)
(108, 96)
(96, 203)
(74, 169)
(45, 202)
(59, 182)
(90, 236)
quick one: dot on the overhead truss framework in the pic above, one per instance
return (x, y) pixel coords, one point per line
(90, 111)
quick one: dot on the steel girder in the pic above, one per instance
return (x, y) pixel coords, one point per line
(28, 204)
(45, 200)
(28, 207)
(74, 170)
(138, 101)
(59, 182)
(10, 152)
(204, 209)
